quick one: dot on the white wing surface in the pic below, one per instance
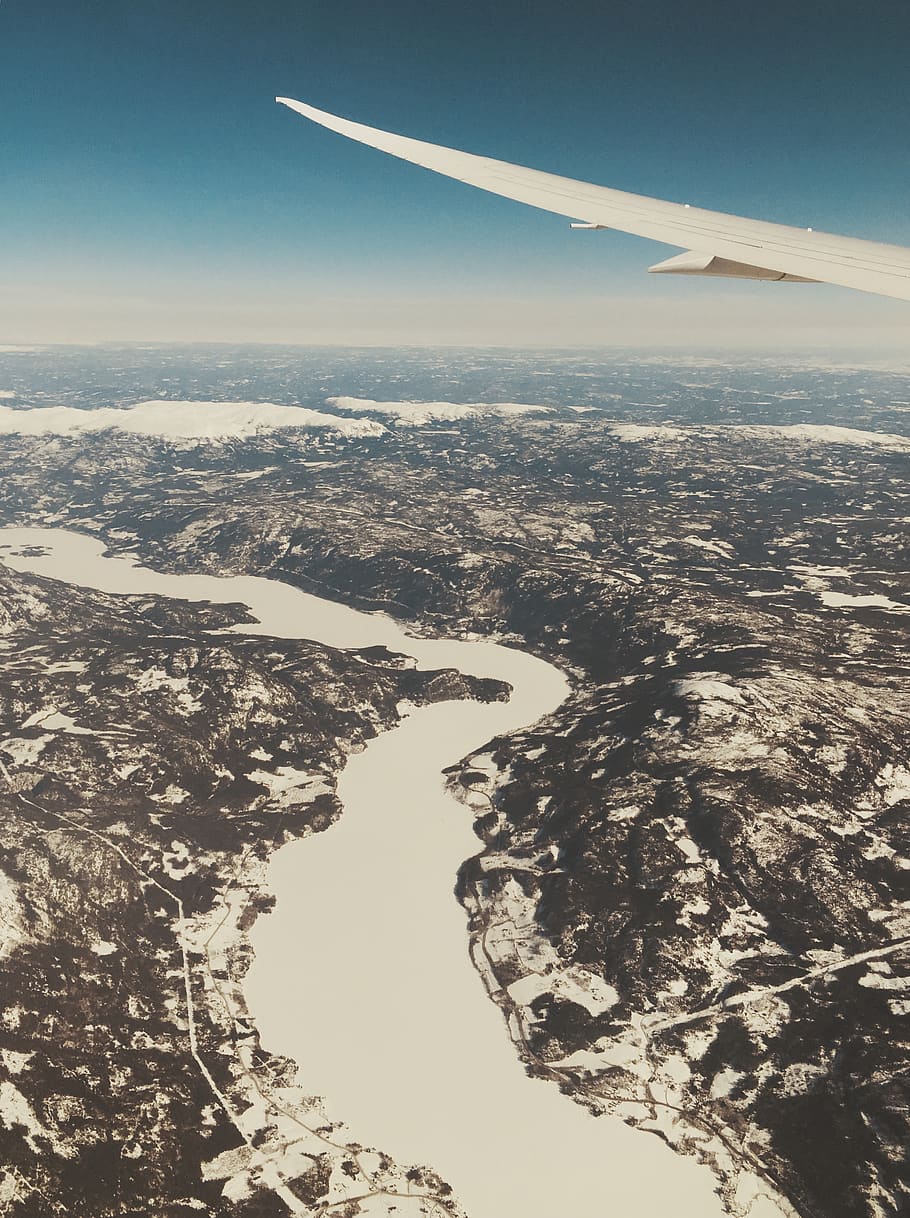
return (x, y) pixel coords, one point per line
(714, 243)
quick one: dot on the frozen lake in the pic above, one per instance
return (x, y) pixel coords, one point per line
(362, 973)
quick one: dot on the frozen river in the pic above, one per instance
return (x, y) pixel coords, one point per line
(362, 973)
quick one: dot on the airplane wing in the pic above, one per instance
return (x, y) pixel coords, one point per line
(714, 243)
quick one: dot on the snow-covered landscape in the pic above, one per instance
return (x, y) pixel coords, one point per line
(648, 630)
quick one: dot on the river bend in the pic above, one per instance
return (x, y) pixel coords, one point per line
(362, 974)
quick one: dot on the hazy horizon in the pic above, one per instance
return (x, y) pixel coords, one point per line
(157, 193)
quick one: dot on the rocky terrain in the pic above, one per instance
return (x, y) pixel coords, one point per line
(692, 902)
(150, 765)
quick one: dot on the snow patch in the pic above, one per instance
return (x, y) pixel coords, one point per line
(16, 1110)
(12, 922)
(25, 750)
(418, 414)
(15, 1061)
(286, 778)
(608, 1053)
(212, 421)
(632, 433)
(66, 666)
(843, 600)
(805, 433)
(154, 679)
(894, 783)
(709, 687)
(720, 548)
(55, 721)
(572, 984)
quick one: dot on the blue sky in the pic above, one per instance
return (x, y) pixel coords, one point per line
(152, 190)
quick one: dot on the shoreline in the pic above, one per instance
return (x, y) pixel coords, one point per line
(284, 607)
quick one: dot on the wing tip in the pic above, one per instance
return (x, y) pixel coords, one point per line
(323, 117)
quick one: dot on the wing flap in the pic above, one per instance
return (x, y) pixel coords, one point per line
(787, 252)
(691, 263)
